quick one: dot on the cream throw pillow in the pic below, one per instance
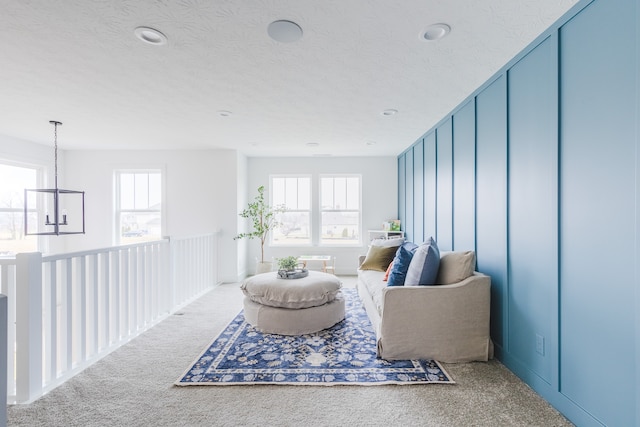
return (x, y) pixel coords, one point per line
(455, 267)
(378, 258)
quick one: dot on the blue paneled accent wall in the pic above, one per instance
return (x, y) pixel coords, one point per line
(464, 197)
(533, 211)
(408, 206)
(402, 191)
(430, 188)
(491, 200)
(444, 183)
(598, 186)
(538, 172)
(418, 192)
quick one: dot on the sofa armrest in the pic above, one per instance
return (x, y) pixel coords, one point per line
(447, 322)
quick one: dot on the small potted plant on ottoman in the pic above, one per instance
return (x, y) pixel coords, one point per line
(290, 268)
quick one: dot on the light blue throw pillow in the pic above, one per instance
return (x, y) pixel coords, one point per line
(401, 262)
(424, 265)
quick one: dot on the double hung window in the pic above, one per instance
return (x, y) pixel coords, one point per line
(324, 212)
(339, 210)
(138, 206)
(294, 194)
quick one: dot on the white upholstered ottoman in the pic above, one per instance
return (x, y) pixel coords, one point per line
(293, 306)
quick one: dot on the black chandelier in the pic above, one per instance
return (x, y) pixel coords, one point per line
(63, 210)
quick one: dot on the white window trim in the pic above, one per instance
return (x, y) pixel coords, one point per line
(320, 210)
(315, 210)
(116, 196)
(311, 211)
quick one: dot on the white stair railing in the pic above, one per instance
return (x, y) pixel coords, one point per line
(67, 311)
(192, 274)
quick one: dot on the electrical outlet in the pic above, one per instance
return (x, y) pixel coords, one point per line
(540, 344)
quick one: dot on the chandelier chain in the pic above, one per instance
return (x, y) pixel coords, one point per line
(55, 124)
(55, 154)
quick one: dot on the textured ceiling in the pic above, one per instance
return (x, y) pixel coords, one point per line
(78, 61)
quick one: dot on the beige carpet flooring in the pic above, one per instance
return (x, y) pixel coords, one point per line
(133, 386)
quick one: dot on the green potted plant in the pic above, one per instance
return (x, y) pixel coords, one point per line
(263, 219)
(288, 263)
(290, 268)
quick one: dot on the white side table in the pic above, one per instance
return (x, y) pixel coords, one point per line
(324, 259)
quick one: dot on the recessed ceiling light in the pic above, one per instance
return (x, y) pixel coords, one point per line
(436, 32)
(224, 113)
(370, 143)
(389, 112)
(284, 31)
(312, 144)
(150, 35)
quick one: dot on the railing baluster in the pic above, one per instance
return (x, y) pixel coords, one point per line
(55, 335)
(151, 284)
(154, 283)
(117, 306)
(47, 333)
(125, 297)
(95, 315)
(142, 280)
(105, 318)
(82, 302)
(67, 310)
(173, 266)
(133, 290)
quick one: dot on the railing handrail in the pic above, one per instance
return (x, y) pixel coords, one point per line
(192, 236)
(11, 260)
(66, 255)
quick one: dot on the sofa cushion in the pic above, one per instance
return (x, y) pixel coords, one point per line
(423, 268)
(316, 289)
(374, 285)
(378, 258)
(455, 267)
(400, 263)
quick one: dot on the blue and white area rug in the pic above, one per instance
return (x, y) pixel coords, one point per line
(344, 354)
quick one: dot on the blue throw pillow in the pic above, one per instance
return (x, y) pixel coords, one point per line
(401, 262)
(424, 265)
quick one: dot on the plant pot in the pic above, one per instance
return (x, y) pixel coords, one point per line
(263, 267)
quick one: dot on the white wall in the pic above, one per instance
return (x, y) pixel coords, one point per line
(200, 195)
(241, 202)
(379, 199)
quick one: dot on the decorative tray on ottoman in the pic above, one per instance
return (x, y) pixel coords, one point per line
(293, 274)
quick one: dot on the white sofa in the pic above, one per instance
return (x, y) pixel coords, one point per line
(448, 323)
